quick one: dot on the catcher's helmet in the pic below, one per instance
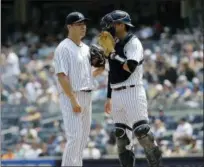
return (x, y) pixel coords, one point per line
(117, 16)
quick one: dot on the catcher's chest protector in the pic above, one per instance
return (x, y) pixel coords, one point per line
(117, 73)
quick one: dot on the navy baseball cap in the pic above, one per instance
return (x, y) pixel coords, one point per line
(75, 17)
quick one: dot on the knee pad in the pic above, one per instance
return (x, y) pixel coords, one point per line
(122, 139)
(141, 128)
(143, 133)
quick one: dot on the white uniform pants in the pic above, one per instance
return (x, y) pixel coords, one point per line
(77, 128)
(129, 105)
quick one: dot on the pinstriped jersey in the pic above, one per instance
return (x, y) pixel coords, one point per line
(73, 61)
(132, 50)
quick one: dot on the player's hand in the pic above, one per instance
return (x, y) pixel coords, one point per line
(107, 106)
(75, 105)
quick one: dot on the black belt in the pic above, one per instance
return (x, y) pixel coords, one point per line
(86, 90)
(123, 87)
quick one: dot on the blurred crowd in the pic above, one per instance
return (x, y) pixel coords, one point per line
(173, 79)
(176, 138)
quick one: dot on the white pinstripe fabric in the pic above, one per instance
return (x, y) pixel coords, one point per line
(73, 61)
(130, 105)
(133, 51)
(77, 128)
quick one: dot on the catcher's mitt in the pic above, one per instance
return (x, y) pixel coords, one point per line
(107, 41)
(97, 56)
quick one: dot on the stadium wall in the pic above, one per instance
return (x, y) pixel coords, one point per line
(168, 162)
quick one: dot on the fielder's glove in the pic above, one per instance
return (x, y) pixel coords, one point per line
(97, 56)
(107, 42)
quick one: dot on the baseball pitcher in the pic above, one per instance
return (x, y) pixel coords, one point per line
(72, 63)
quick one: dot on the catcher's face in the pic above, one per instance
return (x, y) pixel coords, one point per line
(119, 29)
(78, 29)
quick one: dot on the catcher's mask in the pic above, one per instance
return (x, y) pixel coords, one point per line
(107, 24)
(117, 16)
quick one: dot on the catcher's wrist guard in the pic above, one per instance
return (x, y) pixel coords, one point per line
(114, 56)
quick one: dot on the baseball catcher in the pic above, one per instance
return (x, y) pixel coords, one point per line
(126, 98)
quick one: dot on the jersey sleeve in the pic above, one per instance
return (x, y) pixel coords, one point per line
(61, 61)
(134, 50)
(109, 90)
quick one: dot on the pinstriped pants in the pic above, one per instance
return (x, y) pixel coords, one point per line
(77, 128)
(129, 105)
